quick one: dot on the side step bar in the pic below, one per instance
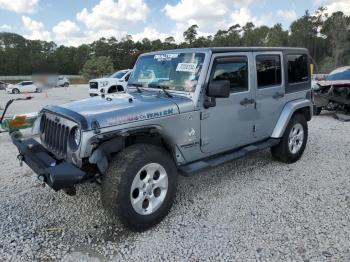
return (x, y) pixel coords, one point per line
(201, 165)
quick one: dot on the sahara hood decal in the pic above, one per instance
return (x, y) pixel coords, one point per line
(137, 117)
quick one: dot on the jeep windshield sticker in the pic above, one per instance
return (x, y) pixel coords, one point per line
(165, 57)
(186, 67)
(142, 116)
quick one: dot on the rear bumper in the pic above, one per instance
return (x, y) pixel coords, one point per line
(56, 174)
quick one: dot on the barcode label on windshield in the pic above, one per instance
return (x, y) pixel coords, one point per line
(186, 67)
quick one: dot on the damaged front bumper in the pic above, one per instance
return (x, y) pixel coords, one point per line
(57, 174)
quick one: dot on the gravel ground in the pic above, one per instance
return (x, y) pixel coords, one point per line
(251, 209)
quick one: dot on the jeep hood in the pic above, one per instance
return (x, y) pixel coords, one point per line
(122, 108)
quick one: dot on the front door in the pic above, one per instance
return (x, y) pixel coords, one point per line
(270, 92)
(229, 124)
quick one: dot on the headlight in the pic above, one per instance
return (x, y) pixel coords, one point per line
(75, 137)
(104, 83)
(38, 125)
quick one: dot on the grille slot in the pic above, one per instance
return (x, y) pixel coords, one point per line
(94, 85)
(56, 137)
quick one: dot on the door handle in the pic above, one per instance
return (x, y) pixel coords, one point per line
(247, 101)
(277, 95)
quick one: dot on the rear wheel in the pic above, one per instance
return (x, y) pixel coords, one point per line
(15, 91)
(139, 186)
(66, 85)
(293, 142)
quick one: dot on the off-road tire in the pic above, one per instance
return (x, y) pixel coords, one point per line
(15, 91)
(281, 151)
(117, 182)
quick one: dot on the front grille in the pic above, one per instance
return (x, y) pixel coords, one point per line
(55, 136)
(93, 85)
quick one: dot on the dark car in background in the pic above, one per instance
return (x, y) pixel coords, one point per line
(3, 85)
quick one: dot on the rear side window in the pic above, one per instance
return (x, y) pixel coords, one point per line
(27, 83)
(297, 68)
(233, 69)
(268, 69)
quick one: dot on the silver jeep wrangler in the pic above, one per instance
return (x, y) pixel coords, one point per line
(185, 111)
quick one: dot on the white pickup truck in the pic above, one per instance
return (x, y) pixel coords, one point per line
(115, 83)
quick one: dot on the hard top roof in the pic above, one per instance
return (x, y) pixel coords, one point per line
(254, 49)
(236, 49)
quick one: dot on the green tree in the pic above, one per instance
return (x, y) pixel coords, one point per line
(97, 67)
(338, 39)
(277, 36)
(169, 39)
(327, 37)
(190, 34)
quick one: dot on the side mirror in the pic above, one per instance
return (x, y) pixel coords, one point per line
(219, 89)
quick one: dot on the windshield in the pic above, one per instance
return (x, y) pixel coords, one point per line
(118, 74)
(339, 74)
(173, 71)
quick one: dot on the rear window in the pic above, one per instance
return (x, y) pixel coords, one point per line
(297, 68)
(268, 69)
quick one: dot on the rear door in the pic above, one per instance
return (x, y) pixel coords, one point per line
(229, 124)
(270, 92)
(28, 86)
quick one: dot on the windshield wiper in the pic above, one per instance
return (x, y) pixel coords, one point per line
(163, 87)
(137, 85)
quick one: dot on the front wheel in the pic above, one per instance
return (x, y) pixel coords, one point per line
(139, 186)
(293, 142)
(15, 91)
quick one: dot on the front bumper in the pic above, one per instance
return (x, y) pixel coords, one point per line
(56, 174)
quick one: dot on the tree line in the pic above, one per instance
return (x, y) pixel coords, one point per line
(327, 37)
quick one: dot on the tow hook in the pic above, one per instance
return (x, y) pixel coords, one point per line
(20, 159)
(42, 179)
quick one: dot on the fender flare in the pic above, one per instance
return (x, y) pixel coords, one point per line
(289, 109)
(100, 156)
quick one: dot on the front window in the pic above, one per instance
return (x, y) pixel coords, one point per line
(118, 74)
(173, 71)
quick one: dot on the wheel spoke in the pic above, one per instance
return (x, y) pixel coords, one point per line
(162, 182)
(137, 183)
(137, 203)
(154, 202)
(151, 169)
